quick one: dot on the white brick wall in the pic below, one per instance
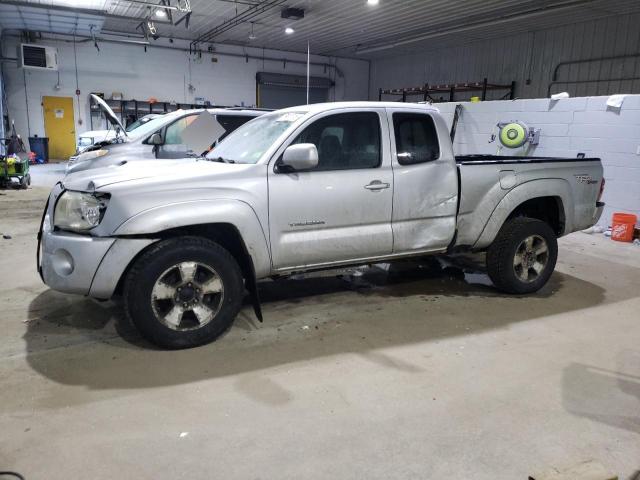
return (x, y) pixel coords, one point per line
(569, 126)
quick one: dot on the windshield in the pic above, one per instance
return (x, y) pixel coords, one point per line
(249, 142)
(140, 122)
(154, 125)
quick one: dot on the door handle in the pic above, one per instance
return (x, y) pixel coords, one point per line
(376, 185)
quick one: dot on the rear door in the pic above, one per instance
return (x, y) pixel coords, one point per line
(425, 195)
(341, 210)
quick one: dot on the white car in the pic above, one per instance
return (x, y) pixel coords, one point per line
(92, 137)
(174, 135)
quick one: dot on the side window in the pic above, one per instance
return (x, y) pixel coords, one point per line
(345, 141)
(416, 138)
(173, 133)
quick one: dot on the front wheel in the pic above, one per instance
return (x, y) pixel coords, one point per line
(183, 292)
(523, 255)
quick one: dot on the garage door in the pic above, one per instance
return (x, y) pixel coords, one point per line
(277, 90)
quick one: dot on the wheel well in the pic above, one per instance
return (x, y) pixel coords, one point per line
(224, 234)
(547, 209)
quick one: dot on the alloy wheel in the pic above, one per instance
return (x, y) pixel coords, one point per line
(187, 296)
(531, 258)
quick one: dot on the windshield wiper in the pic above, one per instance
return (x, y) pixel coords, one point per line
(222, 160)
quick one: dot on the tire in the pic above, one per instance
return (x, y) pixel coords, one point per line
(517, 261)
(183, 292)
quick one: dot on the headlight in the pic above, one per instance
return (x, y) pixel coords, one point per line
(90, 155)
(78, 211)
(85, 141)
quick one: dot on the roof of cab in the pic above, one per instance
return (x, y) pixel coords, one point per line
(226, 111)
(322, 107)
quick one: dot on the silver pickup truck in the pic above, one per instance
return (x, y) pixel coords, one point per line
(301, 189)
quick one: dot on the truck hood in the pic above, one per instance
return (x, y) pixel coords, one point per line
(181, 170)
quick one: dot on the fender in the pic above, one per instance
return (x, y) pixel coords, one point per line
(198, 212)
(547, 187)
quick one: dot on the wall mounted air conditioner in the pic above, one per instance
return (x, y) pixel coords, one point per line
(37, 57)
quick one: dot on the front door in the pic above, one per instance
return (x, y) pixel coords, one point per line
(59, 126)
(341, 210)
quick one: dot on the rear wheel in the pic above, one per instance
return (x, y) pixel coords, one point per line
(523, 255)
(183, 292)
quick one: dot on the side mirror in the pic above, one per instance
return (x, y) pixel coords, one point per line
(303, 156)
(155, 139)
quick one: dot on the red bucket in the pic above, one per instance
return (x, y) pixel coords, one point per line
(622, 227)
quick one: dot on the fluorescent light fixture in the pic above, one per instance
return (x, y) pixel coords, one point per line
(289, 30)
(373, 2)
(161, 13)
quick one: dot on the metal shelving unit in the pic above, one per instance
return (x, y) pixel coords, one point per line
(135, 109)
(427, 92)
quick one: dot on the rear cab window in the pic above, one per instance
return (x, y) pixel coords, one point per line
(416, 138)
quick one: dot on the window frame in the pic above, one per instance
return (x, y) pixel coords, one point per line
(395, 137)
(321, 117)
(163, 129)
(166, 127)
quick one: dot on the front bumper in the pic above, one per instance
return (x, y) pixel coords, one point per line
(83, 264)
(70, 261)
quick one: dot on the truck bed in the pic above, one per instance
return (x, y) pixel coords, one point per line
(480, 159)
(492, 186)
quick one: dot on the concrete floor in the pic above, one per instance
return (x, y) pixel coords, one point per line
(408, 371)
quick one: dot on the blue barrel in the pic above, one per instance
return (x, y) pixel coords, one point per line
(40, 146)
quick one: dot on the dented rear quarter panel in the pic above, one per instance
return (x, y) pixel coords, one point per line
(491, 192)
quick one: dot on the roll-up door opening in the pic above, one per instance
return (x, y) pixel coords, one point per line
(277, 90)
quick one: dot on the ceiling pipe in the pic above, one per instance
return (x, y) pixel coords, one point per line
(242, 17)
(589, 60)
(474, 25)
(144, 43)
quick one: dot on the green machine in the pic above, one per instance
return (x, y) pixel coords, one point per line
(14, 168)
(516, 134)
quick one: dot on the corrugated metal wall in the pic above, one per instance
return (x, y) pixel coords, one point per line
(529, 59)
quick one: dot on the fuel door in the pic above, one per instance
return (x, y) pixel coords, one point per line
(508, 179)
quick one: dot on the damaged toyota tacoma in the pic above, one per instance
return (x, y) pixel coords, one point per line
(302, 189)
